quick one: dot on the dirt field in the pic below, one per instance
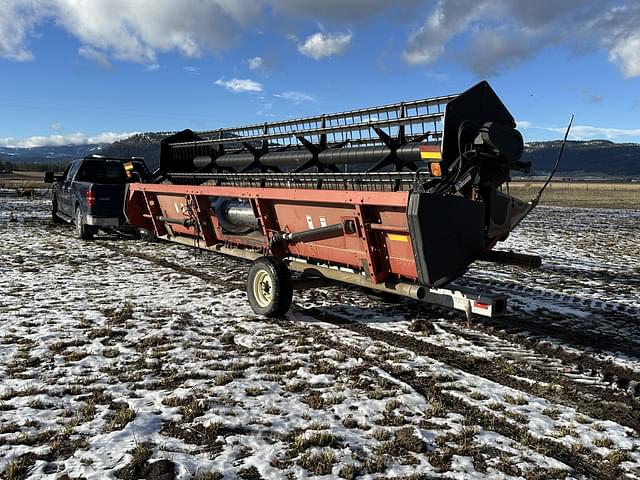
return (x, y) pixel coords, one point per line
(125, 359)
(582, 194)
(22, 180)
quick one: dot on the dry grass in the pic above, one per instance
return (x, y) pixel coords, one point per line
(121, 418)
(119, 315)
(320, 463)
(582, 194)
(605, 442)
(565, 430)
(517, 400)
(254, 391)
(349, 471)
(314, 400)
(381, 434)
(19, 468)
(552, 412)
(213, 475)
(478, 395)
(618, 456)
(223, 379)
(304, 441)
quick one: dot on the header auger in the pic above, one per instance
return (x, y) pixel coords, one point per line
(399, 198)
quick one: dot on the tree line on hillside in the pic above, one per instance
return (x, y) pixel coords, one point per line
(145, 145)
(9, 166)
(596, 157)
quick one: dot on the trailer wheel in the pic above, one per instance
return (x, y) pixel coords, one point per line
(83, 231)
(269, 287)
(146, 235)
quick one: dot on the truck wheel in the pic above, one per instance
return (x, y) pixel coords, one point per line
(269, 287)
(54, 213)
(83, 231)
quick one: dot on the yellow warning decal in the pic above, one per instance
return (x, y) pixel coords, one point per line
(430, 152)
(426, 155)
(398, 238)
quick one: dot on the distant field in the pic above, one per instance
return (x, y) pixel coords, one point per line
(582, 194)
(564, 194)
(22, 180)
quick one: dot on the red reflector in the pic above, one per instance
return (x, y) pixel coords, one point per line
(91, 199)
(483, 306)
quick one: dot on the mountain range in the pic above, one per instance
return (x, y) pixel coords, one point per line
(580, 159)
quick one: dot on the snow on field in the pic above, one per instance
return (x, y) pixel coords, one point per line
(125, 359)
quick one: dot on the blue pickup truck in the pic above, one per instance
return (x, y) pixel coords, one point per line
(90, 192)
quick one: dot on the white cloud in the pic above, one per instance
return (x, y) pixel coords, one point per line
(588, 132)
(130, 30)
(192, 69)
(154, 67)
(340, 10)
(263, 65)
(56, 126)
(485, 36)
(94, 55)
(76, 138)
(625, 52)
(493, 35)
(18, 19)
(320, 45)
(256, 63)
(295, 97)
(109, 137)
(240, 85)
(585, 132)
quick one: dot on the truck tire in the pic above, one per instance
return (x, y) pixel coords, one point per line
(83, 231)
(269, 287)
(54, 212)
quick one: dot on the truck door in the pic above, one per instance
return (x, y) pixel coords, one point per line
(65, 195)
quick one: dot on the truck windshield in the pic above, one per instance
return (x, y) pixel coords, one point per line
(102, 171)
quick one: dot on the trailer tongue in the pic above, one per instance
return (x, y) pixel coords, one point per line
(399, 198)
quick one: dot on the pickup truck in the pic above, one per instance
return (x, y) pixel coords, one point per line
(90, 192)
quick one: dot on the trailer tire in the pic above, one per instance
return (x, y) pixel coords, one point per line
(83, 231)
(269, 287)
(146, 235)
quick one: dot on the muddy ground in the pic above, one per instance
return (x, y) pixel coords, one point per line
(125, 359)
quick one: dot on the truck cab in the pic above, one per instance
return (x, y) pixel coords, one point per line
(90, 192)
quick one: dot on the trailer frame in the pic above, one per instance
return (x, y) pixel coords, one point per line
(193, 223)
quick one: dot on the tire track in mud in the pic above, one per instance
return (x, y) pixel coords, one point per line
(512, 330)
(223, 283)
(590, 399)
(570, 301)
(601, 371)
(602, 374)
(581, 463)
(498, 336)
(596, 402)
(597, 330)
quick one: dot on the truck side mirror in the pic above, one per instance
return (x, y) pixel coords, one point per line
(48, 177)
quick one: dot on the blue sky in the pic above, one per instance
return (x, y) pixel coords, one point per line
(75, 71)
